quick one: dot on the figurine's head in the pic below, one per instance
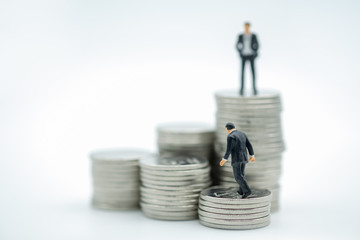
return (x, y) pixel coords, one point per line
(229, 127)
(247, 27)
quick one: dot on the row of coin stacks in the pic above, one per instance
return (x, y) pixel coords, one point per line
(258, 117)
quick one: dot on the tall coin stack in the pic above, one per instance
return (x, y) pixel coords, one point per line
(188, 139)
(259, 118)
(116, 178)
(171, 186)
(222, 207)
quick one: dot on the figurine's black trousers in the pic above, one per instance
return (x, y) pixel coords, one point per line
(239, 174)
(245, 59)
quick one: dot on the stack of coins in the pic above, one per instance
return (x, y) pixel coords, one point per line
(171, 186)
(116, 179)
(222, 207)
(259, 118)
(188, 139)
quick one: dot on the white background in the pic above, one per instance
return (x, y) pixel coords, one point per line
(81, 75)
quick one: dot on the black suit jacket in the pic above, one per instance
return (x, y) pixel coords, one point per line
(237, 143)
(254, 44)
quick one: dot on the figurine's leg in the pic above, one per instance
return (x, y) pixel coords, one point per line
(252, 64)
(237, 175)
(243, 60)
(245, 187)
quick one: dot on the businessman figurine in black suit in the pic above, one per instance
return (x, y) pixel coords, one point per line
(237, 143)
(247, 45)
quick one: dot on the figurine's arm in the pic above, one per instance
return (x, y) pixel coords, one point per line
(250, 149)
(239, 44)
(229, 147)
(255, 43)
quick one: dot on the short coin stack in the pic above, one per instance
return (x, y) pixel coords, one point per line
(171, 186)
(259, 118)
(222, 207)
(116, 178)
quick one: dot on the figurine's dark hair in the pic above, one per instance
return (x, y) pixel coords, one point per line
(229, 126)
(247, 23)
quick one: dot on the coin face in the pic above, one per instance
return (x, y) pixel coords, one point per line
(172, 162)
(229, 195)
(262, 94)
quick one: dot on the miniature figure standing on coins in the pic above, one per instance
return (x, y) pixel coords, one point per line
(247, 46)
(237, 143)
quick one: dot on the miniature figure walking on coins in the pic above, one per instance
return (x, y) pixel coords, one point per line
(237, 143)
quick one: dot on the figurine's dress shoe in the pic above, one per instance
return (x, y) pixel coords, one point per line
(245, 195)
(240, 193)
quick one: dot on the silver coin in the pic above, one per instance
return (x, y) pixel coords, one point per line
(116, 174)
(235, 227)
(239, 116)
(262, 94)
(107, 206)
(190, 142)
(250, 108)
(194, 187)
(227, 195)
(175, 183)
(115, 168)
(169, 192)
(236, 222)
(118, 179)
(116, 186)
(174, 178)
(248, 113)
(193, 147)
(169, 197)
(116, 202)
(200, 171)
(234, 211)
(170, 217)
(117, 195)
(233, 216)
(123, 188)
(169, 202)
(168, 208)
(232, 206)
(166, 213)
(172, 163)
(222, 103)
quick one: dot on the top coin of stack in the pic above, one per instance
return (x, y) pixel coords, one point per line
(116, 178)
(186, 138)
(259, 118)
(222, 207)
(171, 186)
